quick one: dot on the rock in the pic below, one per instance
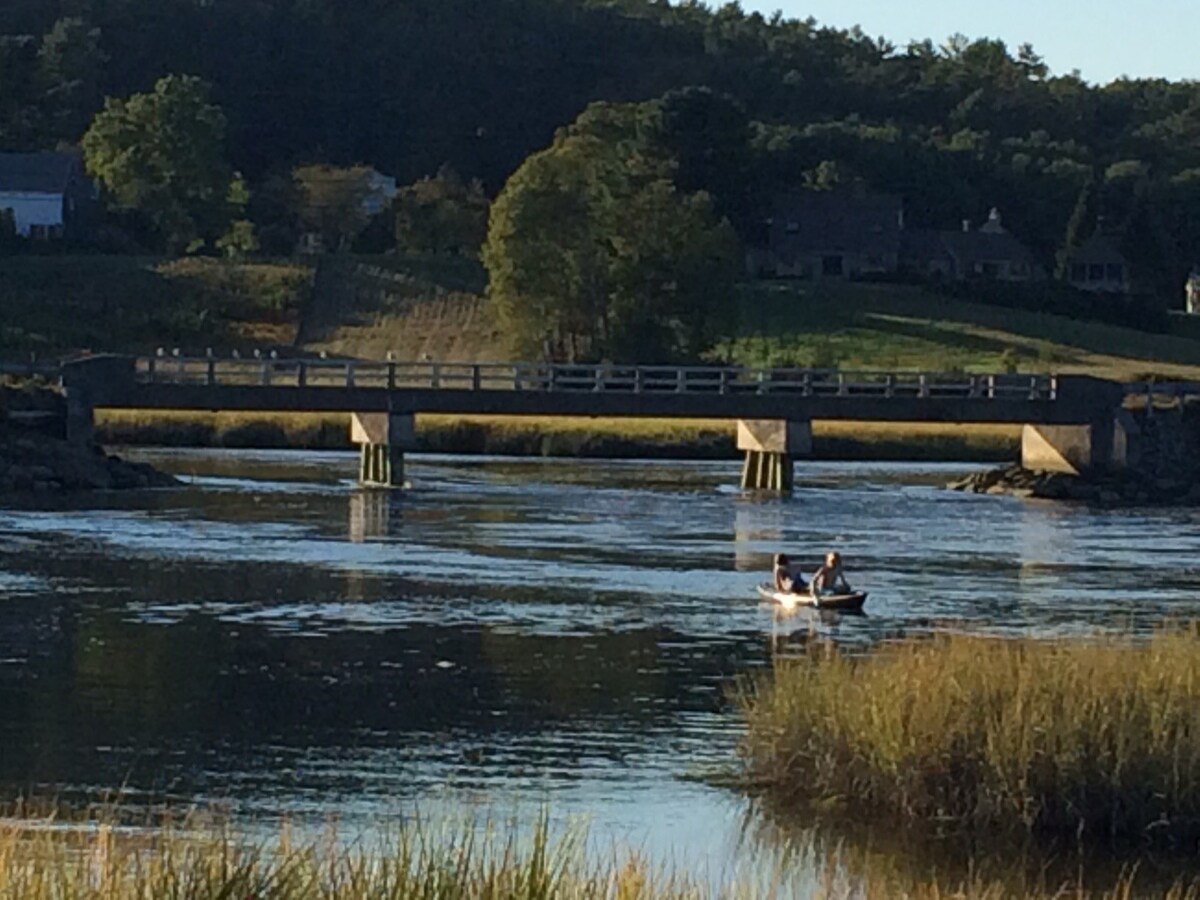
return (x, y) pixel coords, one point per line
(1024, 493)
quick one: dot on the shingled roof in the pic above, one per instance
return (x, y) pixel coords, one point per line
(37, 173)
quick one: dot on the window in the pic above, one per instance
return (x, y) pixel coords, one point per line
(1115, 272)
(1078, 272)
(1095, 272)
(832, 266)
(792, 227)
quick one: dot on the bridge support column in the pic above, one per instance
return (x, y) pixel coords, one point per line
(382, 438)
(770, 446)
(1095, 446)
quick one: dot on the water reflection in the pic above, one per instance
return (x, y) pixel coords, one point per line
(504, 631)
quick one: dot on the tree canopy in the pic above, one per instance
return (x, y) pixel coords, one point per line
(162, 155)
(594, 252)
(955, 128)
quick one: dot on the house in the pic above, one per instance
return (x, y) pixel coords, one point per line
(853, 233)
(990, 252)
(1099, 266)
(831, 234)
(48, 193)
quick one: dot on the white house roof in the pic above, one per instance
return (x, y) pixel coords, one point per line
(37, 173)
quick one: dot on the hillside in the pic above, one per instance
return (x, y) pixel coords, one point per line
(421, 306)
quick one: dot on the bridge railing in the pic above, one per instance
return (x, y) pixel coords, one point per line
(324, 373)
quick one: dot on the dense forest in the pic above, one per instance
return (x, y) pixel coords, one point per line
(410, 85)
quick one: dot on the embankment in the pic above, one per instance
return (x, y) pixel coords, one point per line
(560, 436)
(35, 458)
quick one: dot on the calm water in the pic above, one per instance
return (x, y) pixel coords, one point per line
(506, 634)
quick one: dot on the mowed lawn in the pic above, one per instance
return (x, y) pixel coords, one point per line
(868, 326)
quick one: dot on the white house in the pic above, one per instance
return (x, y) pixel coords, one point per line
(46, 192)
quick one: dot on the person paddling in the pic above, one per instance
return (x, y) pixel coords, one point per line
(786, 580)
(830, 579)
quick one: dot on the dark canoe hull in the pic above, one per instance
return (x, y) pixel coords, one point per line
(855, 600)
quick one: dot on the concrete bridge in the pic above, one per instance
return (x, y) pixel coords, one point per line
(1070, 419)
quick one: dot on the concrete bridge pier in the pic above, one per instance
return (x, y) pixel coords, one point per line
(770, 446)
(1107, 443)
(382, 440)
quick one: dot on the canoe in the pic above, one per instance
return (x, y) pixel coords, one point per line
(825, 601)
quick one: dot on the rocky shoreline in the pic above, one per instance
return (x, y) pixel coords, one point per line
(1125, 489)
(36, 459)
(31, 462)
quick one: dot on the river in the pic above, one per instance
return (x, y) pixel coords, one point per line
(506, 634)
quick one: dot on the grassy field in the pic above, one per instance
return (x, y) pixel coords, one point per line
(414, 306)
(53, 305)
(875, 326)
(560, 436)
(1093, 741)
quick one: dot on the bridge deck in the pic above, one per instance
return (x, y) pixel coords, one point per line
(604, 390)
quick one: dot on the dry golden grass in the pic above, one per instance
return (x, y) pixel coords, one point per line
(559, 436)
(104, 858)
(1096, 739)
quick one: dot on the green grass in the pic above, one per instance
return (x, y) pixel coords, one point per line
(873, 326)
(60, 304)
(1089, 740)
(559, 435)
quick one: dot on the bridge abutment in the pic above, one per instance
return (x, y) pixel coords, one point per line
(1105, 444)
(770, 446)
(382, 439)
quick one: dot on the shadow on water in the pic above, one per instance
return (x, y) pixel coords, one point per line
(878, 858)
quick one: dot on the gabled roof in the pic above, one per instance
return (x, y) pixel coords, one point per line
(37, 173)
(1098, 249)
(836, 221)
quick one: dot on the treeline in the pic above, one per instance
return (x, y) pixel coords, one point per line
(410, 86)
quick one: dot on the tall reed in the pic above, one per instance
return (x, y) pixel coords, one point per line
(1096, 740)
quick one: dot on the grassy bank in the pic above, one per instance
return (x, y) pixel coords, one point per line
(1094, 740)
(54, 858)
(59, 304)
(560, 436)
(886, 326)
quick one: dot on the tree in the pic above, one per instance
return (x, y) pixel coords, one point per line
(162, 155)
(594, 253)
(334, 202)
(70, 64)
(442, 214)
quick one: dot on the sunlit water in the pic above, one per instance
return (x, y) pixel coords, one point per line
(505, 634)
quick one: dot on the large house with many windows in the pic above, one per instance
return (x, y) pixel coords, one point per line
(853, 233)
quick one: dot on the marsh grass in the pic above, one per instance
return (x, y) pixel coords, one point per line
(199, 857)
(51, 859)
(1094, 740)
(560, 436)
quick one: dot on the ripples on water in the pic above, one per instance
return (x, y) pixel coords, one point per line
(505, 632)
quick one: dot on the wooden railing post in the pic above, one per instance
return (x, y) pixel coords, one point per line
(435, 376)
(210, 374)
(638, 375)
(475, 380)
(680, 381)
(724, 381)
(265, 374)
(350, 374)
(302, 374)
(922, 385)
